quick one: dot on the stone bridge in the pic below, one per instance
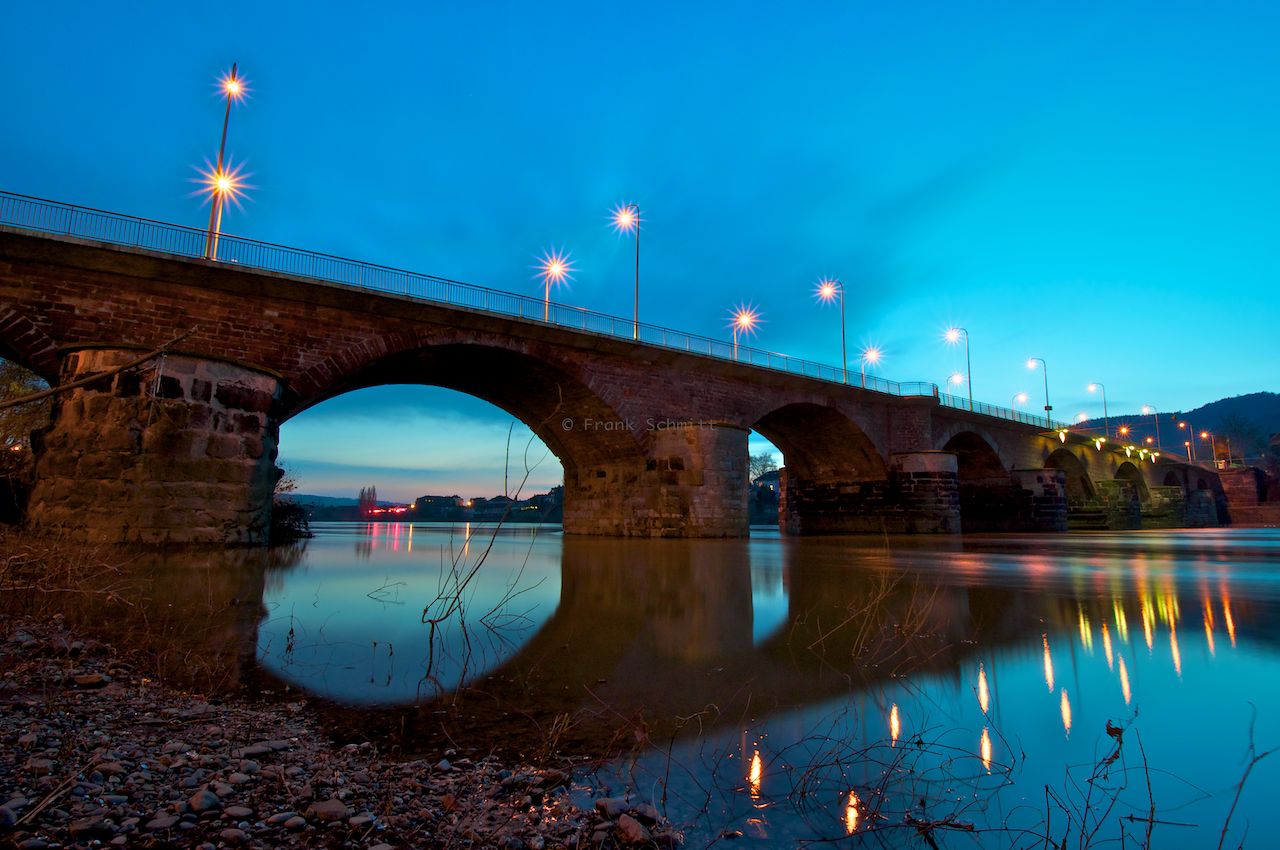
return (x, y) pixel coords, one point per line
(653, 440)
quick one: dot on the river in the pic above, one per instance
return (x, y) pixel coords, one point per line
(888, 691)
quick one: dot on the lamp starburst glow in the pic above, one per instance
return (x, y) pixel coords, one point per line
(829, 289)
(224, 184)
(554, 267)
(626, 217)
(232, 85)
(955, 379)
(952, 336)
(743, 319)
(223, 178)
(872, 355)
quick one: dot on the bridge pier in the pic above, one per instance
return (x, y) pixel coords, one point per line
(692, 482)
(919, 497)
(180, 451)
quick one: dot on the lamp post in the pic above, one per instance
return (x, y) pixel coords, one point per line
(1106, 417)
(554, 268)
(871, 355)
(626, 217)
(1190, 444)
(953, 335)
(1018, 398)
(1048, 408)
(955, 379)
(829, 288)
(1155, 416)
(222, 184)
(745, 319)
(1213, 444)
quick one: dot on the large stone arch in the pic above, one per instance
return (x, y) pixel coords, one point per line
(821, 443)
(1128, 471)
(622, 476)
(1079, 485)
(836, 480)
(990, 499)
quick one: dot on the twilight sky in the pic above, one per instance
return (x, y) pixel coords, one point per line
(1096, 186)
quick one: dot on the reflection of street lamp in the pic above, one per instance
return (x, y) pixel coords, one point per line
(223, 185)
(1155, 416)
(745, 319)
(627, 217)
(871, 355)
(953, 335)
(554, 267)
(1106, 417)
(829, 288)
(1048, 408)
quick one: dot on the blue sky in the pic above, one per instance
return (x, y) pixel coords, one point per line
(1095, 184)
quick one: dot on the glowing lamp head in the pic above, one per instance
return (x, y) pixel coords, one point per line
(956, 379)
(1204, 435)
(871, 355)
(1146, 410)
(828, 289)
(1021, 398)
(744, 319)
(1124, 430)
(233, 85)
(626, 217)
(555, 267)
(1150, 440)
(1082, 417)
(1031, 363)
(1182, 425)
(953, 335)
(1093, 388)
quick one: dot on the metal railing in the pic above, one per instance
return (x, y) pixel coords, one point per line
(53, 217)
(981, 407)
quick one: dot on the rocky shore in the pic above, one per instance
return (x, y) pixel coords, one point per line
(94, 754)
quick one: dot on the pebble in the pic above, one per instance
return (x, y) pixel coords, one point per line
(204, 800)
(162, 822)
(328, 810)
(295, 822)
(631, 831)
(237, 812)
(235, 836)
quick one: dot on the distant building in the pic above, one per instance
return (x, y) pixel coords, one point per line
(768, 481)
(441, 508)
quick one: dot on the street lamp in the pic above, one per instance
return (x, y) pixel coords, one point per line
(626, 217)
(871, 355)
(1019, 398)
(953, 336)
(1213, 443)
(1048, 408)
(554, 268)
(1155, 417)
(1190, 444)
(955, 379)
(745, 318)
(222, 183)
(829, 288)
(1106, 417)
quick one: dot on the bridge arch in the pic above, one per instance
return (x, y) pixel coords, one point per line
(28, 346)
(1079, 485)
(604, 455)
(1128, 471)
(835, 477)
(990, 500)
(1173, 479)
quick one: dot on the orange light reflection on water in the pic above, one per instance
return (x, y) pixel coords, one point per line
(754, 776)
(985, 747)
(851, 813)
(1124, 681)
(984, 696)
(895, 724)
(1106, 647)
(1048, 664)
(1065, 707)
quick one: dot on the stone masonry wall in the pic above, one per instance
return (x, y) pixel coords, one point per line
(181, 450)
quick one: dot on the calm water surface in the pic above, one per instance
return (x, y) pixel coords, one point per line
(844, 689)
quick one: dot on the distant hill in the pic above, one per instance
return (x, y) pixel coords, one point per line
(322, 501)
(1248, 421)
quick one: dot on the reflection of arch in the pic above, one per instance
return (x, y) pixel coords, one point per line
(1079, 486)
(819, 443)
(538, 393)
(1129, 472)
(975, 458)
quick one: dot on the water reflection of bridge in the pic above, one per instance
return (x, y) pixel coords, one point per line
(655, 637)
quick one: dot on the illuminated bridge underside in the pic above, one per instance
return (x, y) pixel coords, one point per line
(653, 440)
